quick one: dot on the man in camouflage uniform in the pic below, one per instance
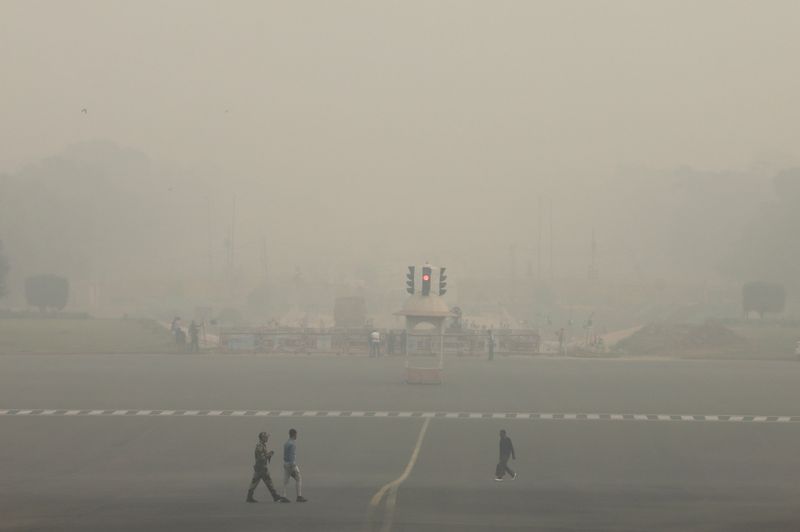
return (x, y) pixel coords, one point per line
(261, 472)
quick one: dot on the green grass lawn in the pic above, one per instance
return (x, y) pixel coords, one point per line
(83, 336)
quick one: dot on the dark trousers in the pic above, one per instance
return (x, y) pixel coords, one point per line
(502, 468)
(263, 475)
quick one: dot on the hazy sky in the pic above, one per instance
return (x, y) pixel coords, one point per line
(380, 109)
(426, 85)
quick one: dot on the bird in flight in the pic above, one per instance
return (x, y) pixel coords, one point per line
(84, 110)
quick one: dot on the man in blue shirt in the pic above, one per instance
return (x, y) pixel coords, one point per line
(290, 469)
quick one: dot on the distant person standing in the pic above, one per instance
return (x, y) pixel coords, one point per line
(261, 471)
(375, 344)
(194, 336)
(506, 452)
(175, 329)
(490, 343)
(290, 468)
(390, 343)
(561, 349)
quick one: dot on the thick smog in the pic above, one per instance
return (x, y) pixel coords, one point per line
(399, 266)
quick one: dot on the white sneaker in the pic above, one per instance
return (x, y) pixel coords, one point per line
(498, 479)
(514, 477)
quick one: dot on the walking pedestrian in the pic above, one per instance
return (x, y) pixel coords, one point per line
(194, 336)
(506, 452)
(490, 341)
(290, 468)
(375, 344)
(261, 470)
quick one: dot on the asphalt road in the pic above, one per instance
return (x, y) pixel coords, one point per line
(108, 472)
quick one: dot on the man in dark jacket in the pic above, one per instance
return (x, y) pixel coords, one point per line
(506, 452)
(261, 472)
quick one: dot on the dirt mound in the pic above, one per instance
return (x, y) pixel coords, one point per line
(681, 339)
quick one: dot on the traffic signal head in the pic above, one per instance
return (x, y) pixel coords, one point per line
(426, 280)
(410, 280)
(442, 281)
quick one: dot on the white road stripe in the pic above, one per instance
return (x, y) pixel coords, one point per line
(392, 487)
(566, 416)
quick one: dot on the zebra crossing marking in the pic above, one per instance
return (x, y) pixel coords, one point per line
(532, 416)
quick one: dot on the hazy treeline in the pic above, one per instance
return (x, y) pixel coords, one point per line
(106, 213)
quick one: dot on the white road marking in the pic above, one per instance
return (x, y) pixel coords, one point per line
(393, 486)
(532, 416)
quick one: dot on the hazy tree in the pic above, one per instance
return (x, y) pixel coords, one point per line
(769, 248)
(47, 291)
(762, 298)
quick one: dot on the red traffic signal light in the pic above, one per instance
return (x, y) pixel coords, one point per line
(426, 280)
